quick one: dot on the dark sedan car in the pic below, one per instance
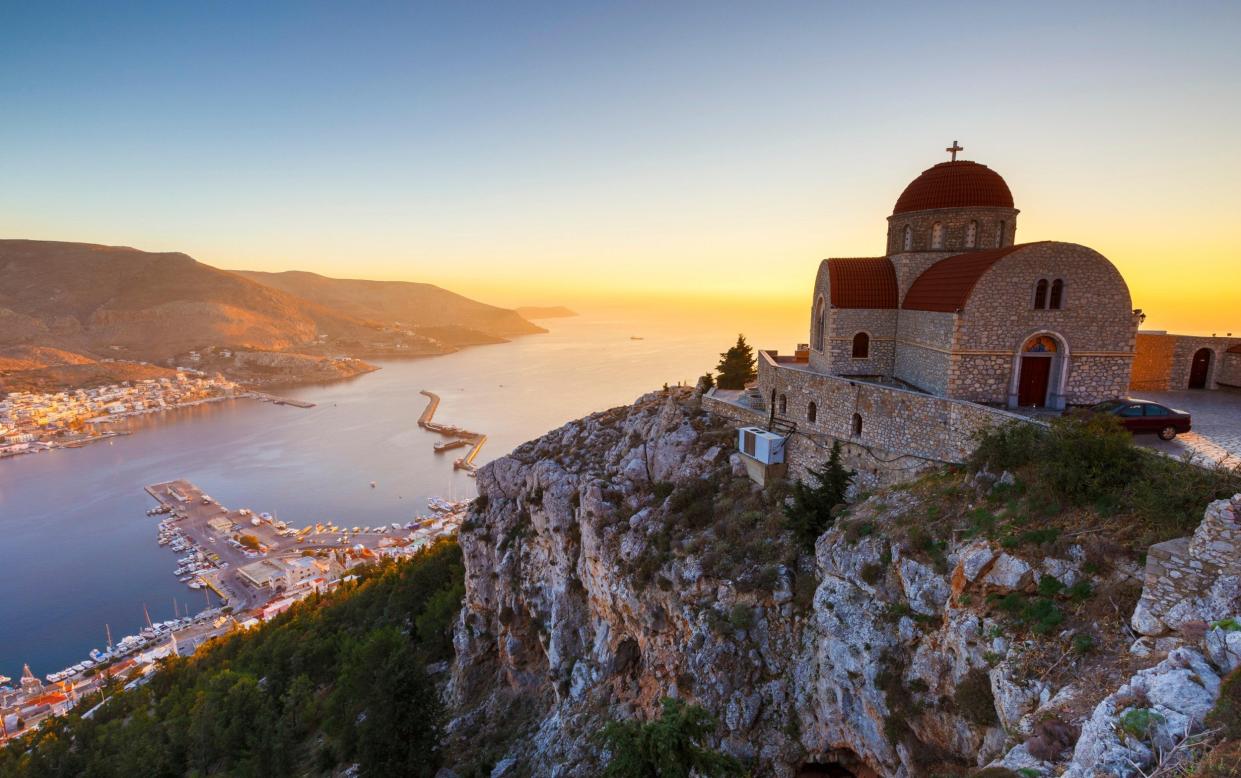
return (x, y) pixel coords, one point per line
(1146, 416)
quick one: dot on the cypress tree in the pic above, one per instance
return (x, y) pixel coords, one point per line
(736, 366)
(810, 513)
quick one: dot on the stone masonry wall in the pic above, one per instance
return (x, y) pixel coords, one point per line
(1183, 356)
(924, 342)
(894, 420)
(1229, 374)
(1096, 322)
(1152, 362)
(1196, 578)
(880, 325)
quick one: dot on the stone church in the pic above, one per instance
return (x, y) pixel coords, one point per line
(957, 308)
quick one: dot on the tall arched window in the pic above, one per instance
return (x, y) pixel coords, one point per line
(937, 235)
(909, 237)
(857, 425)
(1000, 235)
(784, 403)
(820, 324)
(812, 412)
(971, 235)
(1040, 293)
(861, 346)
(1057, 295)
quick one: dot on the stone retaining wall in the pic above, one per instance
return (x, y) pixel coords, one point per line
(1196, 578)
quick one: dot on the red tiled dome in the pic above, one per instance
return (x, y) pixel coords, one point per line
(959, 184)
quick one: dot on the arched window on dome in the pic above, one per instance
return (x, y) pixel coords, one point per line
(820, 324)
(908, 241)
(1040, 294)
(1000, 235)
(1057, 295)
(971, 235)
(861, 346)
(937, 235)
(812, 412)
(857, 425)
(784, 404)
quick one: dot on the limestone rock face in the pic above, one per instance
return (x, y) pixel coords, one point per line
(588, 599)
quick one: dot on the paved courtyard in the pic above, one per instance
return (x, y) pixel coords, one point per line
(1216, 434)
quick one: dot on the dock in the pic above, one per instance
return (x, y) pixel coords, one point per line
(274, 400)
(461, 437)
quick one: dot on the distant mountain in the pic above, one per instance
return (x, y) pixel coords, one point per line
(68, 310)
(412, 304)
(119, 301)
(544, 312)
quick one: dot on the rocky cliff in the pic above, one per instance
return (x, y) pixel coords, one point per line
(935, 629)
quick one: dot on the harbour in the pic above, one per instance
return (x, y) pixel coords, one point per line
(460, 437)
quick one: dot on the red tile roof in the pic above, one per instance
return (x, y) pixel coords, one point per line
(864, 282)
(946, 285)
(959, 184)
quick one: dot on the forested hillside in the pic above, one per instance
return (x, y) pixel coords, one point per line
(335, 681)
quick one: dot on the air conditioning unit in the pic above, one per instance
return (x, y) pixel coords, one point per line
(761, 445)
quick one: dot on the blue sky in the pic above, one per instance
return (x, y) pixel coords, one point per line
(521, 151)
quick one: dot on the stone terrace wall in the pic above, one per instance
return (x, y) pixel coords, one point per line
(1152, 362)
(1196, 578)
(923, 358)
(875, 467)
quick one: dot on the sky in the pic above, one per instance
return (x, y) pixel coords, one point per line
(569, 153)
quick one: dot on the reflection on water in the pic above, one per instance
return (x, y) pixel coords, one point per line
(77, 550)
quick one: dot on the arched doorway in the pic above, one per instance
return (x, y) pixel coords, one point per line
(1200, 369)
(1039, 374)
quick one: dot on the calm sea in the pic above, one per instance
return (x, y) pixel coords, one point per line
(77, 550)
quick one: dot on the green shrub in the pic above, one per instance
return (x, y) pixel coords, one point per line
(1139, 723)
(974, 700)
(670, 745)
(1083, 643)
(693, 502)
(741, 617)
(810, 512)
(871, 573)
(1228, 625)
(1009, 447)
(1087, 456)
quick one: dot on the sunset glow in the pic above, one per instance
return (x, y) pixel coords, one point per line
(576, 154)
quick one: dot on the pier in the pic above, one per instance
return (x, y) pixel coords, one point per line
(274, 400)
(461, 437)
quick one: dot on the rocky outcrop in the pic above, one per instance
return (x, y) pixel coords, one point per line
(622, 558)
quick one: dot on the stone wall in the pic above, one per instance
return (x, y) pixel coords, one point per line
(1183, 357)
(1152, 362)
(1096, 323)
(1194, 579)
(955, 222)
(895, 421)
(1229, 375)
(924, 346)
(880, 325)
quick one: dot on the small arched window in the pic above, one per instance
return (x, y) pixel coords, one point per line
(820, 324)
(1057, 295)
(812, 412)
(1040, 293)
(784, 404)
(909, 237)
(1000, 235)
(971, 235)
(857, 425)
(861, 346)
(937, 235)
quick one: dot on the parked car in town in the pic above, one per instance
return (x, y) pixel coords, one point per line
(1146, 416)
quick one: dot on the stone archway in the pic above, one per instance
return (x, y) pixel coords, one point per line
(1200, 368)
(1040, 372)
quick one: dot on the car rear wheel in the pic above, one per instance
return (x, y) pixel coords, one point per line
(1167, 433)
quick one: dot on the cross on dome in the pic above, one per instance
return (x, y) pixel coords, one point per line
(953, 149)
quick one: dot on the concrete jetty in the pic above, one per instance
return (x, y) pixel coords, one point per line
(461, 436)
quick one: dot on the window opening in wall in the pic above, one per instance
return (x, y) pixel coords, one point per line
(1057, 295)
(784, 404)
(937, 236)
(820, 322)
(861, 346)
(909, 237)
(812, 412)
(857, 425)
(999, 235)
(971, 235)
(1040, 293)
